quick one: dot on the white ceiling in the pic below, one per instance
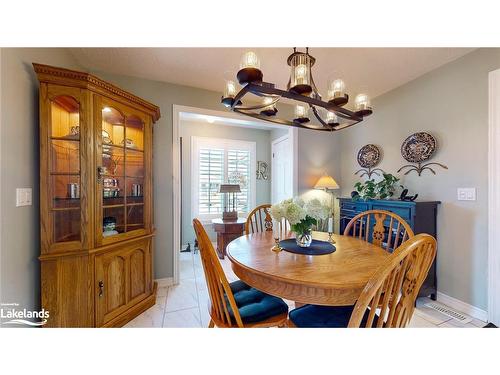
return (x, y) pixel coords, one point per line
(372, 70)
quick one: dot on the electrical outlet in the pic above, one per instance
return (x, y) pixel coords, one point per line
(23, 197)
(466, 194)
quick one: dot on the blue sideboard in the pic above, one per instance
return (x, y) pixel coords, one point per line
(421, 216)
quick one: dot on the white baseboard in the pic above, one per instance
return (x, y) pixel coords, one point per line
(166, 281)
(462, 306)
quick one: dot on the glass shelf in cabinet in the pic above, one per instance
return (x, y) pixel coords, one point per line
(66, 138)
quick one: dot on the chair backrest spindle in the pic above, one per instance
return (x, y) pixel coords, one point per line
(259, 220)
(388, 229)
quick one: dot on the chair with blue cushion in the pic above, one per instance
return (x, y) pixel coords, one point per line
(388, 299)
(236, 304)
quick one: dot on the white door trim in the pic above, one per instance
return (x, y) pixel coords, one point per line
(494, 198)
(176, 165)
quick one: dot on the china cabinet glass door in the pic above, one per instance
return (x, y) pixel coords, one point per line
(64, 169)
(122, 172)
(134, 173)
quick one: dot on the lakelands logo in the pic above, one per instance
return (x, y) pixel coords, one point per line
(12, 315)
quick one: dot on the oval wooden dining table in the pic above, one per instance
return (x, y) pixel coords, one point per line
(335, 279)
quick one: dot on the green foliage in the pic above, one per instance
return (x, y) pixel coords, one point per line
(304, 225)
(386, 187)
(366, 190)
(370, 189)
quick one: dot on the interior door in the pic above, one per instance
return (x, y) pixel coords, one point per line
(282, 169)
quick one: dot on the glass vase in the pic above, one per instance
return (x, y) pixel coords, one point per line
(304, 239)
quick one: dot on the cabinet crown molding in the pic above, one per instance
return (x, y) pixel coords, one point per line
(63, 76)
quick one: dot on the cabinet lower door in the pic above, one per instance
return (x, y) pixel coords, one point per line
(123, 278)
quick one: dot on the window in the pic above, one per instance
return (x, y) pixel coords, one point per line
(217, 161)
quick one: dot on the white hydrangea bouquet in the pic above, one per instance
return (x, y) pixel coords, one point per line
(301, 215)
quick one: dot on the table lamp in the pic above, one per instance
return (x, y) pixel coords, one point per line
(328, 184)
(230, 212)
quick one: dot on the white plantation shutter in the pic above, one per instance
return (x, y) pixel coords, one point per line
(238, 162)
(218, 161)
(211, 175)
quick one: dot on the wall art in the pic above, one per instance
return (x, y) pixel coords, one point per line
(418, 148)
(262, 170)
(368, 157)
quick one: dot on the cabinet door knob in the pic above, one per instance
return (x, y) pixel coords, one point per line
(101, 288)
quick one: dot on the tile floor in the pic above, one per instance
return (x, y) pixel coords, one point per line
(185, 305)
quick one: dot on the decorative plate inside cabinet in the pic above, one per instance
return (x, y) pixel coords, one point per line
(418, 147)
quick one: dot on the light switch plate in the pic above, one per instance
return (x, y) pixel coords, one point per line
(24, 197)
(466, 194)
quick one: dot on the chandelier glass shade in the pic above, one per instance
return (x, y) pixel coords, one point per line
(329, 115)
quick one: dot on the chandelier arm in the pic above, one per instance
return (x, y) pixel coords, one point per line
(278, 120)
(290, 123)
(262, 89)
(258, 106)
(316, 114)
(330, 127)
(237, 98)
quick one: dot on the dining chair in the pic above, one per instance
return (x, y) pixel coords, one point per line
(387, 300)
(260, 220)
(235, 304)
(382, 228)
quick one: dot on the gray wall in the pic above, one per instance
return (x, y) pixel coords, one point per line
(20, 271)
(204, 129)
(319, 153)
(452, 104)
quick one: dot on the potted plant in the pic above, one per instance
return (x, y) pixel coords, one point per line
(387, 186)
(365, 190)
(301, 216)
(384, 189)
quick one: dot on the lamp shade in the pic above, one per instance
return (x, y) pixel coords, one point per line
(326, 183)
(229, 188)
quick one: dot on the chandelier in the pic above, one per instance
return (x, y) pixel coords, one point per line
(301, 89)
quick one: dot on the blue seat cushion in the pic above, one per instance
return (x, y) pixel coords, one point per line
(314, 316)
(253, 305)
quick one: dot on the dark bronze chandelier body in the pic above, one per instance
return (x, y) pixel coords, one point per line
(301, 88)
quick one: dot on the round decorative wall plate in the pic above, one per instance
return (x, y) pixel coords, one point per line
(368, 156)
(418, 147)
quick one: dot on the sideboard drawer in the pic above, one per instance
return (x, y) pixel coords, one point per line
(354, 206)
(404, 212)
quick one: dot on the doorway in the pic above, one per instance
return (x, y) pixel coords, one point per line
(181, 114)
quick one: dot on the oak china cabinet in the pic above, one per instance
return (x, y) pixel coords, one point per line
(96, 200)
